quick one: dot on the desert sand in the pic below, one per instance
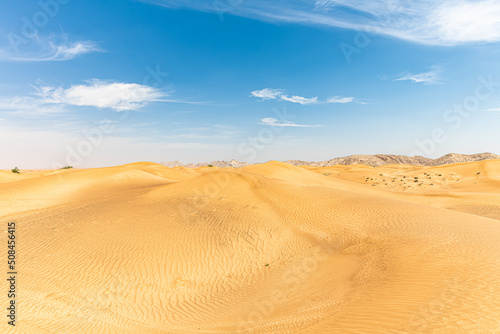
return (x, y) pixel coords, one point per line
(267, 248)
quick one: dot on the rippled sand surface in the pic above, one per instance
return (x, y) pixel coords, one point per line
(269, 248)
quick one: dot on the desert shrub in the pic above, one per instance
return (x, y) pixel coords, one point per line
(210, 165)
(15, 170)
(67, 167)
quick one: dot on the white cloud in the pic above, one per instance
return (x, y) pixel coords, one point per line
(340, 99)
(267, 93)
(277, 94)
(50, 50)
(300, 99)
(271, 121)
(440, 22)
(466, 21)
(95, 93)
(431, 77)
(66, 52)
(100, 94)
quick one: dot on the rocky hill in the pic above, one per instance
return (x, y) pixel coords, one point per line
(452, 158)
(232, 163)
(372, 160)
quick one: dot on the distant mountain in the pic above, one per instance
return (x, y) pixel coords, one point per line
(452, 158)
(232, 163)
(385, 159)
(372, 160)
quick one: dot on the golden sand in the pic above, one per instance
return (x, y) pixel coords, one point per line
(269, 248)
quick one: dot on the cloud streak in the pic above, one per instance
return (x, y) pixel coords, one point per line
(278, 94)
(267, 93)
(300, 99)
(431, 77)
(340, 99)
(271, 121)
(51, 51)
(441, 22)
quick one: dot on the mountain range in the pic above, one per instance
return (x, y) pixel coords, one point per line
(371, 160)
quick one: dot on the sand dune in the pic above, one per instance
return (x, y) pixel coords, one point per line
(268, 248)
(468, 187)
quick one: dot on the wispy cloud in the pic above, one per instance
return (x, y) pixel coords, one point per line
(50, 50)
(271, 121)
(278, 94)
(431, 77)
(267, 93)
(300, 99)
(340, 99)
(443, 22)
(324, 5)
(28, 105)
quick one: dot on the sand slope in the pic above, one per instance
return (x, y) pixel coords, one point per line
(468, 187)
(269, 248)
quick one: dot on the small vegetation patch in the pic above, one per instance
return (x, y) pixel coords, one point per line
(15, 170)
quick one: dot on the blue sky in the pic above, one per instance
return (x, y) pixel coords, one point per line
(100, 83)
